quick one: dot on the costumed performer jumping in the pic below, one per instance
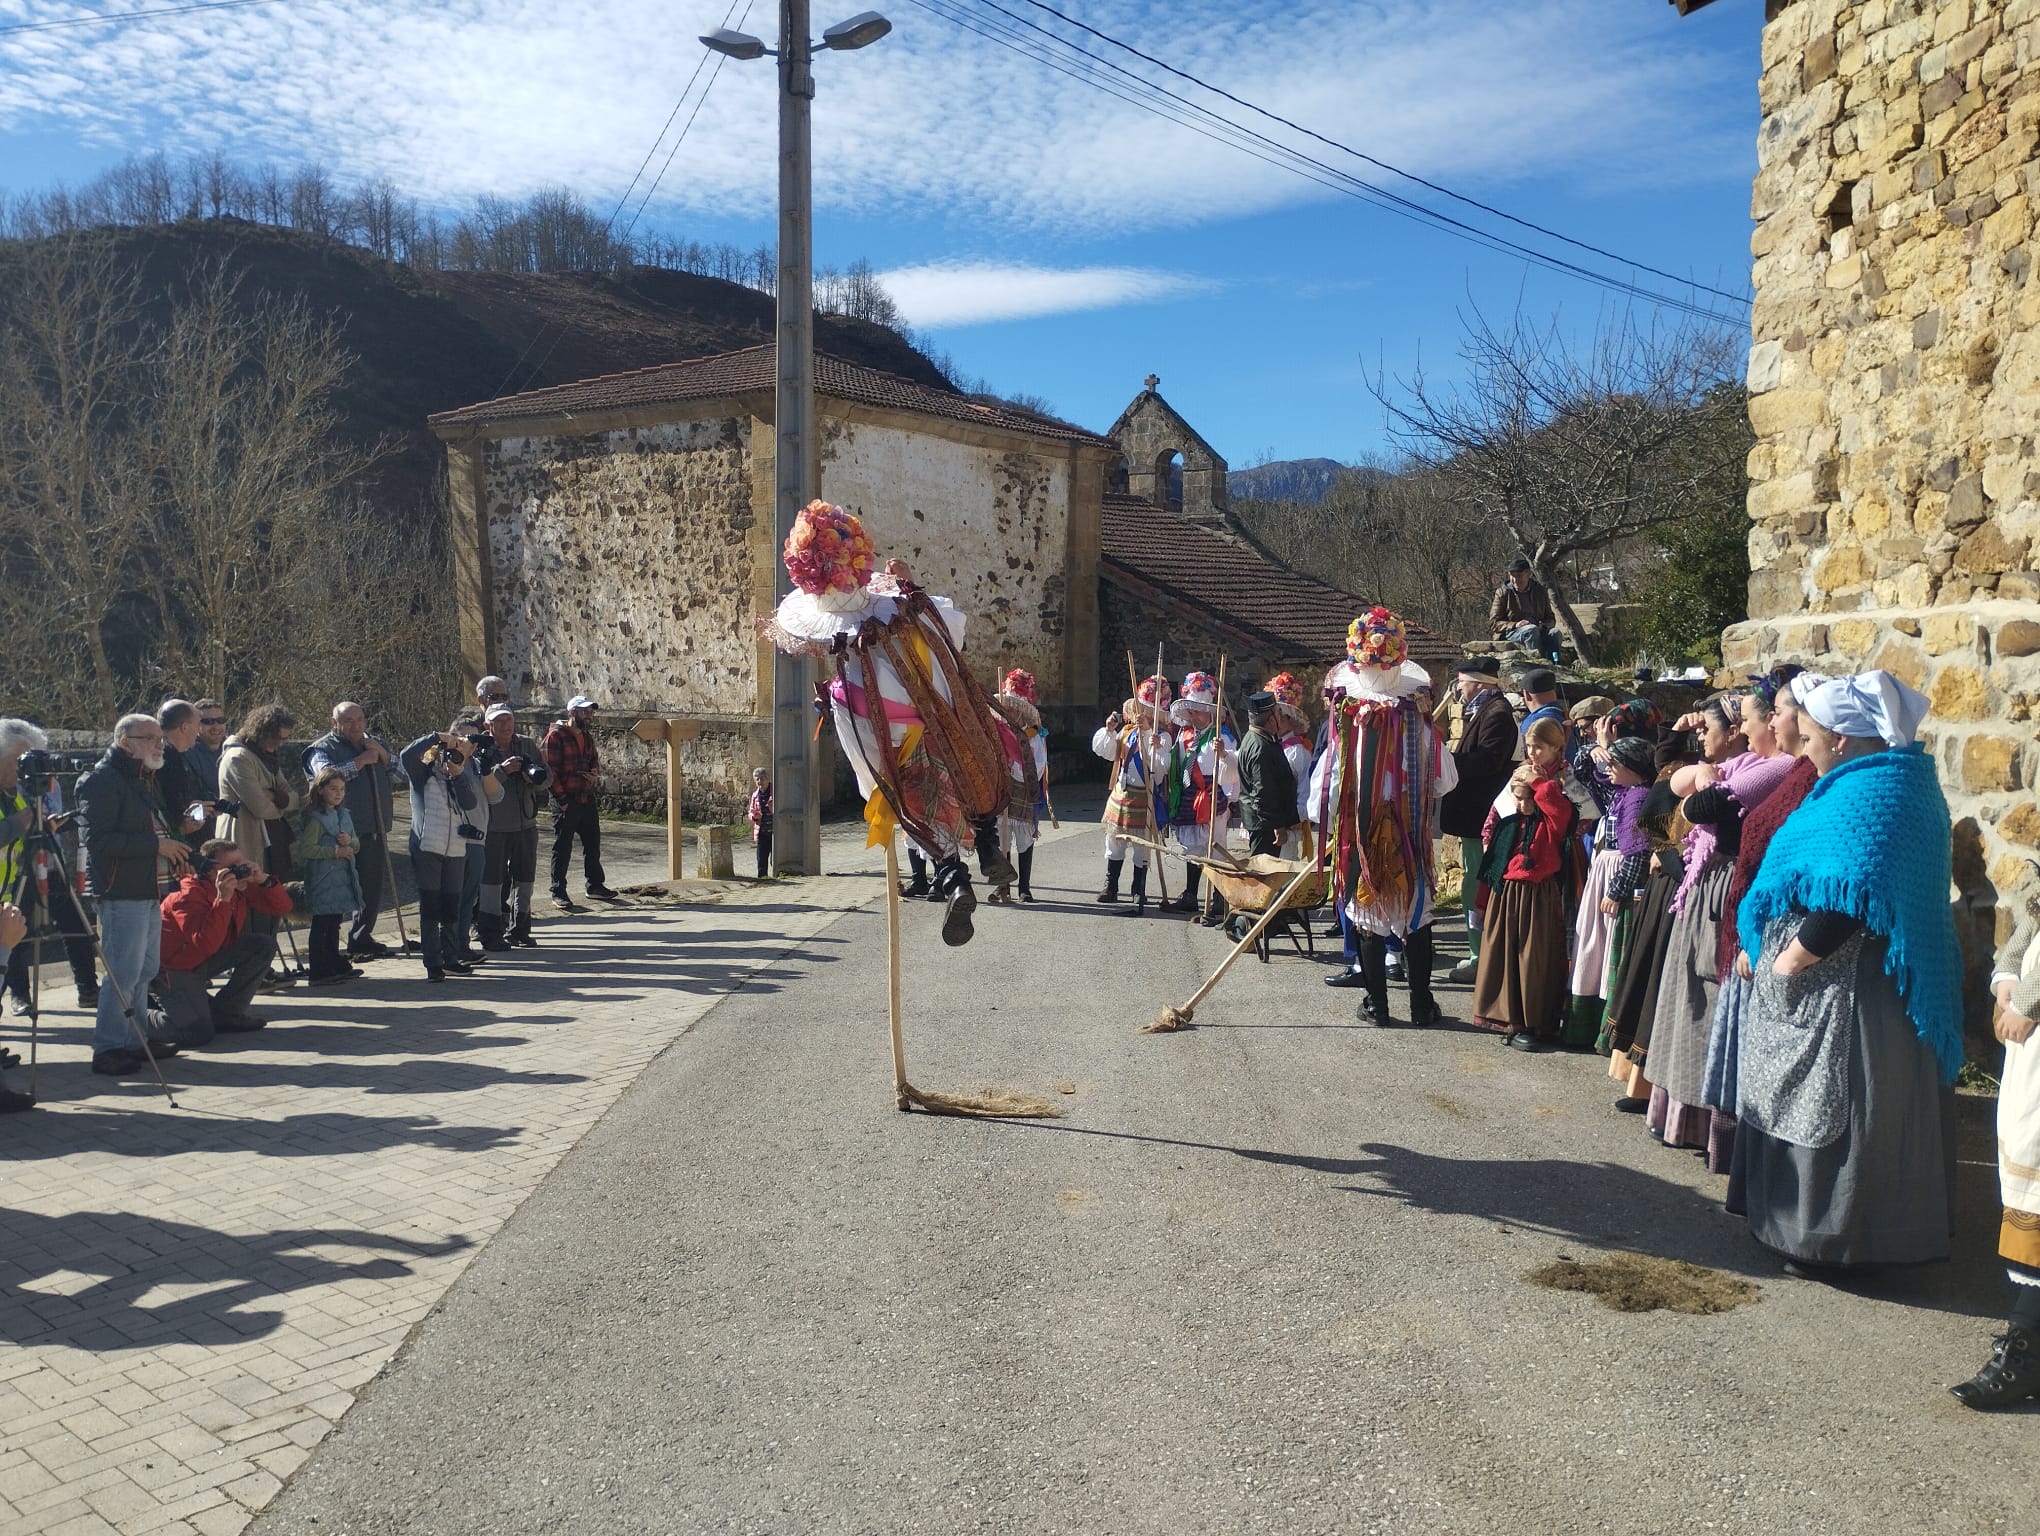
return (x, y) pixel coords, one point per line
(917, 727)
(1136, 741)
(1026, 746)
(1375, 794)
(1206, 781)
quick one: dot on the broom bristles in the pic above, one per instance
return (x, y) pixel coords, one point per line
(1168, 1021)
(992, 1104)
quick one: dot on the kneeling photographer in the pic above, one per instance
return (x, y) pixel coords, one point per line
(445, 819)
(511, 868)
(207, 933)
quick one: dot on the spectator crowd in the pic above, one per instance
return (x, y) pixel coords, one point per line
(185, 855)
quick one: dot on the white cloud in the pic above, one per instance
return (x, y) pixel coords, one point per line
(950, 293)
(470, 96)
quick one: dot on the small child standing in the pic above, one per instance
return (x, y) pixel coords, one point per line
(325, 847)
(1519, 989)
(760, 816)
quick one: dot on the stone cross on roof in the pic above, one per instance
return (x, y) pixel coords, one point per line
(1153, 381)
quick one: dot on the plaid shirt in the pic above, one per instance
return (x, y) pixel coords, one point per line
(571, 760)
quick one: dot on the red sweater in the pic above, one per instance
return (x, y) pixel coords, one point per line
(195, 927)
(1540, 859)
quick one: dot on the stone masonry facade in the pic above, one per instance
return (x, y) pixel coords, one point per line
(1895, 392)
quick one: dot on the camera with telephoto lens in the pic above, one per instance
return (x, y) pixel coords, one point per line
(203, 866)
(482, 749)
(43, 765)
(472, 833)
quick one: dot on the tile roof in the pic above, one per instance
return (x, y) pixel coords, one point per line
(750, 371)
(1235, 585)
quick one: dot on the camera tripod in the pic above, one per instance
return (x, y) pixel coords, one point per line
(44, 850)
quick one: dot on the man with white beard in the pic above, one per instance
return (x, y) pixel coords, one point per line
(128, 850)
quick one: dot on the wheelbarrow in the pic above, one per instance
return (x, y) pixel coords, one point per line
(1250, 886)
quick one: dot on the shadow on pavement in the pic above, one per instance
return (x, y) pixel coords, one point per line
(138, 1127)
(131, 1255)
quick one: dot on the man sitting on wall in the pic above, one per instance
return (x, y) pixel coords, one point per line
(1521, 612)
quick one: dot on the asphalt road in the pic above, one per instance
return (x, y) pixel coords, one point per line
(1265, 1275)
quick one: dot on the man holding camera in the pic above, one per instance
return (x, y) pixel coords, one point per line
(443, 809)
(128, 850)
(207, 933)
(576, 770)
(511, 854)
(18, 851)
(365, 762)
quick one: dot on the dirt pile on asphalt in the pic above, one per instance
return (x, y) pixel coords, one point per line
(1638, 1282)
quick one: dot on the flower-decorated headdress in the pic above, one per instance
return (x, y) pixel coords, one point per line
(1155, 692)
(828, 550)
(1200, 691)
(1378, 641)
(1020, 682)
(1288, 696)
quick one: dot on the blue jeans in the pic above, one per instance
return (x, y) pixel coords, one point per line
(131, 939)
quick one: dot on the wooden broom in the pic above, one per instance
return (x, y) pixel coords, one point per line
(1172, 1019)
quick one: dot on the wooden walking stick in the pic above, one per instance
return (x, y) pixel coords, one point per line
(1172, 1019)
(993, 1103)
(1211, 833)
(1148, 739)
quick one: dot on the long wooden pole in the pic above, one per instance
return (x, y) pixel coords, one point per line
(901, 1099)
(1172, 1019)
(1211, 835)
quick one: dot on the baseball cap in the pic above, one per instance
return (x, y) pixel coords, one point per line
(581, 701)
(500, 709)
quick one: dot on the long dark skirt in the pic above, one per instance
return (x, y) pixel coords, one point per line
(1522, 977)
(1883, 1191)
(1685, 1012)
(1633, 1002)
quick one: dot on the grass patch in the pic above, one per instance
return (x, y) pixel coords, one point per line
(1637, 1282)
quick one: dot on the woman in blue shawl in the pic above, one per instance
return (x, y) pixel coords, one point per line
(1844, 1155)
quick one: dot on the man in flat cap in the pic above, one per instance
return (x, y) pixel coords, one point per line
(1521, 612)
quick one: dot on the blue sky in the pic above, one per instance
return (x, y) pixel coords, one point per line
(1055, 240)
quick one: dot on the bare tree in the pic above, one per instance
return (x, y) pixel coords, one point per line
(1576, 451)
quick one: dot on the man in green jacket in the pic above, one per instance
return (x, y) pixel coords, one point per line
(1267, 782)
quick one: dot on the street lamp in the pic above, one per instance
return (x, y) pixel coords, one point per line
(797, 799)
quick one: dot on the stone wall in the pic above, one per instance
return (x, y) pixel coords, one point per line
(622, 566)
(983, 523)
(1895, 379)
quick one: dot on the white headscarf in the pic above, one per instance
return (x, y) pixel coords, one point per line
(1870, 704)
(1805, 684)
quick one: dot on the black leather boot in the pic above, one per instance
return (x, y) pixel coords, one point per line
(1140, 890)
(2012, 1374)
(1112, 869)
(1418, 957)
(1187, 902)
(918, 886)
(992, 861)
(1374, 969)
(1027, 874)
(952, 885)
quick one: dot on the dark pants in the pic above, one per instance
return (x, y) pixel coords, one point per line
(325, 945)
(764, 840)
(1266, 840)
(509, 869)
(438, 878)
(571, 821)
(69, 922)
(191, 1017)
(1417, 959)
(370, 861)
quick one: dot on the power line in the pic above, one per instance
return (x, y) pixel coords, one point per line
(118, 18)
(1173, 107)
(1445, 191)
(559, 335)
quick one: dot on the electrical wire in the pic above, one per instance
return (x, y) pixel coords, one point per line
(114, 18)
(560, 332)
(1358, 154)
(1161, 102)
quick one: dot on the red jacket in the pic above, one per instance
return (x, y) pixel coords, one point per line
(1541, 859)
(195, 927)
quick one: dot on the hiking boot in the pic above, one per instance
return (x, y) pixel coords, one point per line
(957, 929)
(1177, 904)
(88, 994)
(2010, 1376)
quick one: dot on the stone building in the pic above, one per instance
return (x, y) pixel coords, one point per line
(1895, 380)
(615, 537)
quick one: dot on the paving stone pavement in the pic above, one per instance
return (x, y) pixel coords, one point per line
(193, 1296)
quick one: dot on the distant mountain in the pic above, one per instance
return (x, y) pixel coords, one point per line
(1305, 480)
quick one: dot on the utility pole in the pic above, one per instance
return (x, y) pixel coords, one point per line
(796, 787)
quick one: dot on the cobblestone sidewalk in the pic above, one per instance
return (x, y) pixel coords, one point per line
(191, 1297)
